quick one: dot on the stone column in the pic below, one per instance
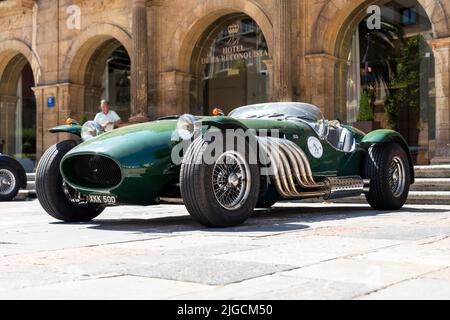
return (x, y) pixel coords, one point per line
(283, 85)
(68, 101)
(321, 70)
(139, 63)
(340, 95)
(8, 105)
(269, 66)
(175, 96)
(441, 48)
(46, 118)
(153, 9)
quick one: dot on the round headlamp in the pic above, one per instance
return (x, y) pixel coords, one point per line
(90, 130)
(185, 127)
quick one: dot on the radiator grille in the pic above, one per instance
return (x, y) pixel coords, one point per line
(95, 171)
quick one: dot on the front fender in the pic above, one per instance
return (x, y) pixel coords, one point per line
(226, 123)
(389, 136)
(72, 129)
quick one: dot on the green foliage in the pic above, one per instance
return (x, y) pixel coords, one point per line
(404, 91)
(29, 140)
(391, 110)
(365, 109)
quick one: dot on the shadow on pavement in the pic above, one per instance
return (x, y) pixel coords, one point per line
(277, 219)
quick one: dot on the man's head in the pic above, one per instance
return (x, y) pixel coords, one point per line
(104, 106)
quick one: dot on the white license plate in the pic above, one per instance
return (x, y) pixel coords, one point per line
(102, 199)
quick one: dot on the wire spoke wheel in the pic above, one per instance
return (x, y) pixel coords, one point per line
(7, 182)
(231, 180)
(397, 176)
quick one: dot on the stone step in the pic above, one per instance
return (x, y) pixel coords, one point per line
(442, 171)
(415, 197)
(431, 184)
(31, 185)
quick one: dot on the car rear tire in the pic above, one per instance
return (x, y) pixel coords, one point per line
(9, 182)
(53, 193)
(266, 199)
(219, 195)
(388, 169)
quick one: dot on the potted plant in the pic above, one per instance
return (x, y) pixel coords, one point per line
(366, 118)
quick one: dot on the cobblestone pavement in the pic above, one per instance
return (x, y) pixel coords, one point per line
(295, 251)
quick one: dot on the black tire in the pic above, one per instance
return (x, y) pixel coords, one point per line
(50, 191)
(380, 166)
(10, 182)
(266, 198)
(197, 190)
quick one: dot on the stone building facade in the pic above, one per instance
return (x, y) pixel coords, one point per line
(308, 44)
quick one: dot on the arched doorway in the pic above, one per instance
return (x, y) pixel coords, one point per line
(108, 77)
(391, 78)
(228, 66)
(18, 111)
(99, 68)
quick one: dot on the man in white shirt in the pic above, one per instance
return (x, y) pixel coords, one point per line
(107, 118)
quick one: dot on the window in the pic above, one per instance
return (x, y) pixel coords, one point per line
(230, 68)
(409, 16)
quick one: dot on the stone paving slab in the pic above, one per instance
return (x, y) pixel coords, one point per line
(127, 287)
(280, 288)
(210, 271)
(415, 289)
(304, 251)
(373, 274)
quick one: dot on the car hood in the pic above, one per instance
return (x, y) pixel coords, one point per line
(140, 143)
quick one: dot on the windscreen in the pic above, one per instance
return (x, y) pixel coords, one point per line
(276, 110)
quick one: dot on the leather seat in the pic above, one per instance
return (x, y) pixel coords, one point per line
(341, 138)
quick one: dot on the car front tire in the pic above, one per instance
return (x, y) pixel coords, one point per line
(53, 193)
(222, 194)
(388, 169)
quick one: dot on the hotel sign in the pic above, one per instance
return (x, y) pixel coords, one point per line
(235, 48)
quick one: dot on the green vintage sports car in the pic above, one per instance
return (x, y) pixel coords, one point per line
(223, 167)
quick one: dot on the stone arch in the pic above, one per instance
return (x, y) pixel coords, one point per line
(333, 32)
(192, 28)
(338, 19)
(17, 53)
(82, 69)
(85, 46)
(17, 59)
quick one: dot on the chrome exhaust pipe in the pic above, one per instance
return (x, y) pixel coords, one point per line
(293, 175)
(366, 186)
(285, 155)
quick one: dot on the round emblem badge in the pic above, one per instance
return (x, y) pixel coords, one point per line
(315, 147)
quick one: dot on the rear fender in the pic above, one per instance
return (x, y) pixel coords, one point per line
(389, 136)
